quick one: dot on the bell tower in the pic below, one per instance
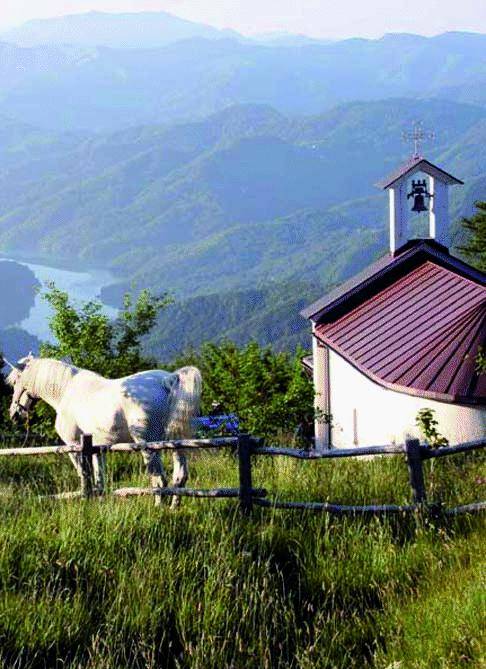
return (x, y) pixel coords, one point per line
(428, 194)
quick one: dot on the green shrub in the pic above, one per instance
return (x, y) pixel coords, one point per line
(427, 424)
(269, 391)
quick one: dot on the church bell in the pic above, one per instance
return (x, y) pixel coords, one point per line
(419, 204)
(419, 192)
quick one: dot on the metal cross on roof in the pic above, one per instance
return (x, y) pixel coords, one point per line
(418, 136)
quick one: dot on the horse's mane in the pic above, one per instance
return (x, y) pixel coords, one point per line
(43, 375)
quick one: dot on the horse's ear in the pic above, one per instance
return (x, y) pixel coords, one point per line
(23, 362)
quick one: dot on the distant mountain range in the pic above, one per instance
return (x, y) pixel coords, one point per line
(133, 30)
(96, 88)
(136, 30)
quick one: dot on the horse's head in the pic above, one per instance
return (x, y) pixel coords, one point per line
(22, 401)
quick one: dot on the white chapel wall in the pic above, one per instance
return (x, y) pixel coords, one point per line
(364, 413)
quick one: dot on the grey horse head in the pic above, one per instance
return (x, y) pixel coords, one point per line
(21, 402)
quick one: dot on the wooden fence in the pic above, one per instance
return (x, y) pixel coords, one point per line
(248, 447)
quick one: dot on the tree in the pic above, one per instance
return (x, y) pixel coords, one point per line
(481, 360)
(428, 424)
(5, 396)
(269, 391)
(91, 340)
(475, 248)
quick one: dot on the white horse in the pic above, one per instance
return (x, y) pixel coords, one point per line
(148, 406)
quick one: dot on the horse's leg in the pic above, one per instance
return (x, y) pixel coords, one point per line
(70, 434)
(179, 476)
(141, 433)
(99, 472)
(76, 460)
(155, 470)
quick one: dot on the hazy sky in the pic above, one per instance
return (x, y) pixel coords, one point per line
(319, 18)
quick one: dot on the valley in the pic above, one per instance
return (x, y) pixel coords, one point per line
(236, 197)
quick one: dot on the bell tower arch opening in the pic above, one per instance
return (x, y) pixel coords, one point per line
(419, 203)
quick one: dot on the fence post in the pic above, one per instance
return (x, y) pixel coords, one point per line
(415, 470)
(87, 465)
(244, 459)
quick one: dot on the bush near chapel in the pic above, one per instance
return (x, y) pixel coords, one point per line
(269, 391)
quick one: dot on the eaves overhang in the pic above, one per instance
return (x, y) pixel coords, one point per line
(384, 272)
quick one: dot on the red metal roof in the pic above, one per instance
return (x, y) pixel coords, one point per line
(385, 271)
(419, 335)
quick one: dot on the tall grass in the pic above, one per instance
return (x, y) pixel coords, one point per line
(112, 583)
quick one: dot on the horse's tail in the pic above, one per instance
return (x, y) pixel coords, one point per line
(184, 402)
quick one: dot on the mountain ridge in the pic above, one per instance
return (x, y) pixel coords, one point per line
(100, 89)
(154, 202)
(132, 30)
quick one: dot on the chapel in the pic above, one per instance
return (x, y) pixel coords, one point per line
(404, 334)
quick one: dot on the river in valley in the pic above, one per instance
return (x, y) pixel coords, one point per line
(81, 286)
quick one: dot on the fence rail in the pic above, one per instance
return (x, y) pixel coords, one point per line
(337, 509)
(179, 444)
(187, 492)
(354, 452)
(428, 453)
(248, 447)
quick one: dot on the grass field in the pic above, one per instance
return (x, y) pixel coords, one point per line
(120, 583)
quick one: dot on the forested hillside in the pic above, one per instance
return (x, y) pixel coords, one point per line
(162, 204)
(267, 315)
(246, 200)
(18, 293)
(18, 289)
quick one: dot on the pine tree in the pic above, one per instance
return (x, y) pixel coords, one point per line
(475, 248)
